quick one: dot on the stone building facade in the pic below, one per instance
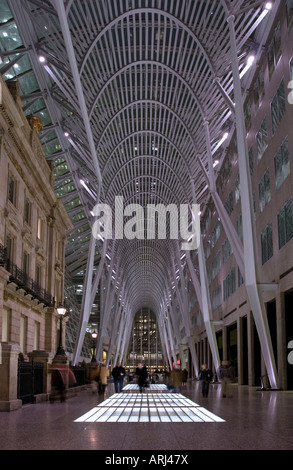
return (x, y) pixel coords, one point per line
(33, 231)
(269, 117)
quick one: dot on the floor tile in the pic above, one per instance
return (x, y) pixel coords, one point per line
(250, 420)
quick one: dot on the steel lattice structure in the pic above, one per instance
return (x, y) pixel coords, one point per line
(140, 94)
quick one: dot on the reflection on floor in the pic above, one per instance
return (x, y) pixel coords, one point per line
(151, 387)
(146, 407)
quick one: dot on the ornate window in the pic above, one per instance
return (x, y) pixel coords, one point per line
(262, 139)
(278, 106)
(264, 187)
(275, 50)
(267, 249)
(282, 163)
(285, 224)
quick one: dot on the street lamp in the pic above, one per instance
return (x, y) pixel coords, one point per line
(61, 310)
(94, 337)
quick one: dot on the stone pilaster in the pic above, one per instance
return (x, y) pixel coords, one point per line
(46, 359)
(9, 377)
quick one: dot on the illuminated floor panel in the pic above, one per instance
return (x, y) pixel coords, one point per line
(155, 407)
(151, 387)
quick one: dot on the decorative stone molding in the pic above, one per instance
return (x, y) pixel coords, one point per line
(35, 123)
(9, 376)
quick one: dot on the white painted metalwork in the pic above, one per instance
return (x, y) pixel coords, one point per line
(140, 93)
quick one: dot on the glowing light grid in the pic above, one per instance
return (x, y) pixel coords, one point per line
(151, 387)
(154, 407)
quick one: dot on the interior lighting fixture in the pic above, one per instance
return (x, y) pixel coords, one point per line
(267, 8)
(82, 182)
(225, 137)
(250, 60)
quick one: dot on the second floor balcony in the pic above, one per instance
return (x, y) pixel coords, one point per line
(23, 281)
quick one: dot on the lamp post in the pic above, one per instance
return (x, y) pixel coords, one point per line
(61, 310)
(94, 337)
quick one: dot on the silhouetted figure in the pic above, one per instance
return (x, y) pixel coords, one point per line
(226, 375)
(94, 376)
(184, 376)
(62, 379)
(118, 374)
(176, 379)
(104, 374)
(205, 376)
(142, 375)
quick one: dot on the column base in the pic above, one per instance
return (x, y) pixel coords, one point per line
(60, 359)
(11, 405)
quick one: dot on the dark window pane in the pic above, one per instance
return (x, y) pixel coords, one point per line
(289, 221)
(281, 228)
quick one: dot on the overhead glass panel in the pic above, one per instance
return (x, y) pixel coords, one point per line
(129, 106)
(5, 13)
(10, 38)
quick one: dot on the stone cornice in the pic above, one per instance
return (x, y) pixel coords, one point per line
(21, 143)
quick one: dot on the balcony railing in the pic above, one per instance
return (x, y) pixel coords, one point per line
(19, 277)
(3, 255)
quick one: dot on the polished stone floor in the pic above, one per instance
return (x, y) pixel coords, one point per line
(250, 420)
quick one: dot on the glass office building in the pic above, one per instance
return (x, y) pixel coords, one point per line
(145, 344)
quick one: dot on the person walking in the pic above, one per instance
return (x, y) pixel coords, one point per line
(104, 374)
(58, 385)
(184, 376)
(141, 375)
(226, 376)
(94, 376)
(176, 379)
(118, 374)
(205, 376)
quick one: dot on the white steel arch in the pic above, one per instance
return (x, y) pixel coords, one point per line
(150, 72)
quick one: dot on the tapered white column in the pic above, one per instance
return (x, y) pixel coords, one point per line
(253, 290)
(203, 297)
(120, 335)
(170, 336)
(184, 306)
(107, 310)
(126, 335)
(113, 333)
(165, 344)
(207, 308)
(88, 296)
(225, 219)
(176, 330)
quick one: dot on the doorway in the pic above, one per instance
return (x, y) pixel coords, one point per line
(244, 341)
(289, 334)
(232, 347)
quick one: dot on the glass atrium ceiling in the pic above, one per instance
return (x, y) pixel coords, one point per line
(17, 64)
(130, 92)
